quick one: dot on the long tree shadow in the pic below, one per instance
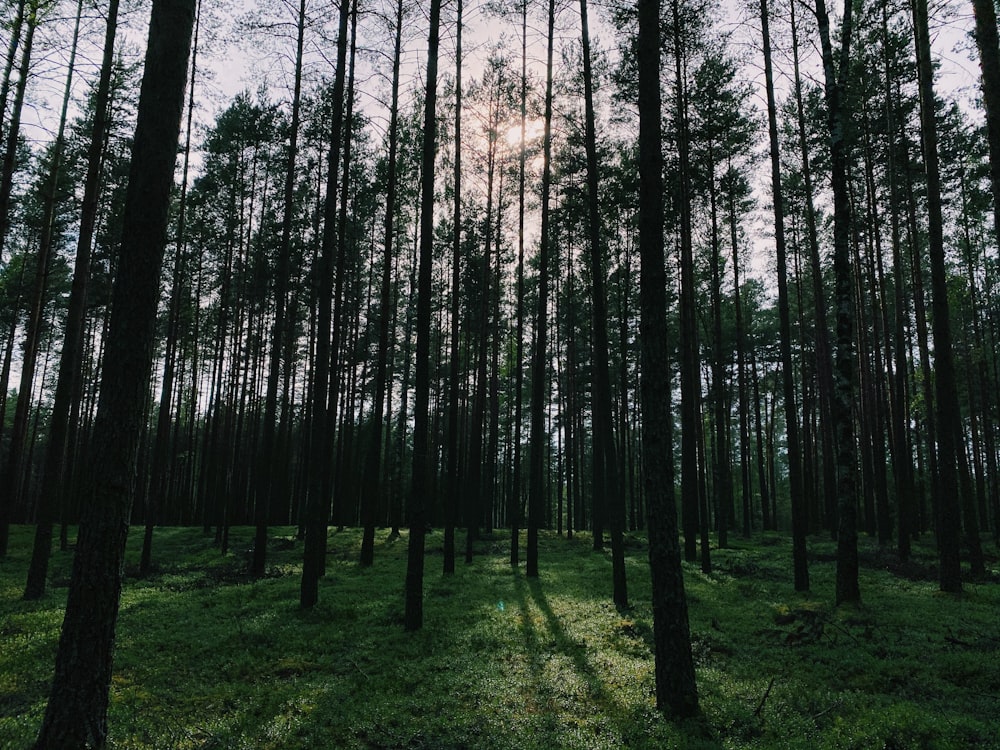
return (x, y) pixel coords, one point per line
(577, 652)
(626, 720)
(533, 649)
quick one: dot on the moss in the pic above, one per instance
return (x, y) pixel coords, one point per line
(207, 658)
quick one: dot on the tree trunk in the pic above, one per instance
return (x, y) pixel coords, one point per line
(796, 489)
(10, 152)
(76, 715)
(453, 490)
(949, 413)
(71, 358)
(824, 364)
(160, 476)
(989, 60)
(903, 456)
(514, 512)
(676, 692)
(835, 87)
(8, 68)
(272, 459)
(419, 492)
(317, 504)
(607, 485)
(539, 357)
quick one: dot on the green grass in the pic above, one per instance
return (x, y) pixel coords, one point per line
(208, 659)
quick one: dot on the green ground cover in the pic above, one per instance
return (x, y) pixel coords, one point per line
(207, 658)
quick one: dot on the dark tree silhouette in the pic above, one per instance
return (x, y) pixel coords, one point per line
(676, 692)
(76, 715)
(420, 489)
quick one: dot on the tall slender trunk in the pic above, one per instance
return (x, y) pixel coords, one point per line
(372, 486)
(273, 463)
(607, 484)
(768, 521)
(514, 512)
(903, 456)
(539, 356)
(159, 475)
(676, 691)
(9, 165)
(15, 39)
(741, 375)
(454, 486)
(71, 358)
(722, 472)
(419, 492)
(339, 406)
(823, 357)
(76, 715)
(835, 88)
(989, 60)
(478, 457)
(796, 490)
(14, 467)
(690, 375)
(949, 414)
(317, 504)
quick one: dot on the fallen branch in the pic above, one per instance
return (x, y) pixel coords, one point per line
(763, 700)
(828, 709)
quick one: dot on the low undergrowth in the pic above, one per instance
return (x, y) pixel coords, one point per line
(207, 658)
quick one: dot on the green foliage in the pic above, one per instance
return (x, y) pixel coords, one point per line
(207, 658)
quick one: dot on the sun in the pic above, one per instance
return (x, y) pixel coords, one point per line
(533, 130)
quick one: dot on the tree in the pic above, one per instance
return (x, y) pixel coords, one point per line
(34, 9)
(321, 419)
(539, 359)
(514, 509)
(454, 479)
(788, 386)
(13, 469)
(989, 59)
(835, 79)
(945, 387)
(159, 485)
(420, 489)
(76, 714)
(676, 691)
(607, 486)
(271, 462)
(70, 361)
(373, 458)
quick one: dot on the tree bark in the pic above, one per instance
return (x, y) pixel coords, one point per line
(796, 490)
(607, 484)
(989, 60)
(419, 492)
(159, 474)
(844, 384)
(948, 409)
(76, 715)
(454, 479)
(536, 477)
(71, 357)
(317, 504)
(514, 511)
(272, 459)
(10, 152)
(676, 691)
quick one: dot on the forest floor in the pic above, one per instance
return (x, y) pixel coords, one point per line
(207, 658)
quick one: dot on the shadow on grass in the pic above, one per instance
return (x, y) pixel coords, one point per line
(634, 725)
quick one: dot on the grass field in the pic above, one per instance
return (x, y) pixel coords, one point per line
(207, 658)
